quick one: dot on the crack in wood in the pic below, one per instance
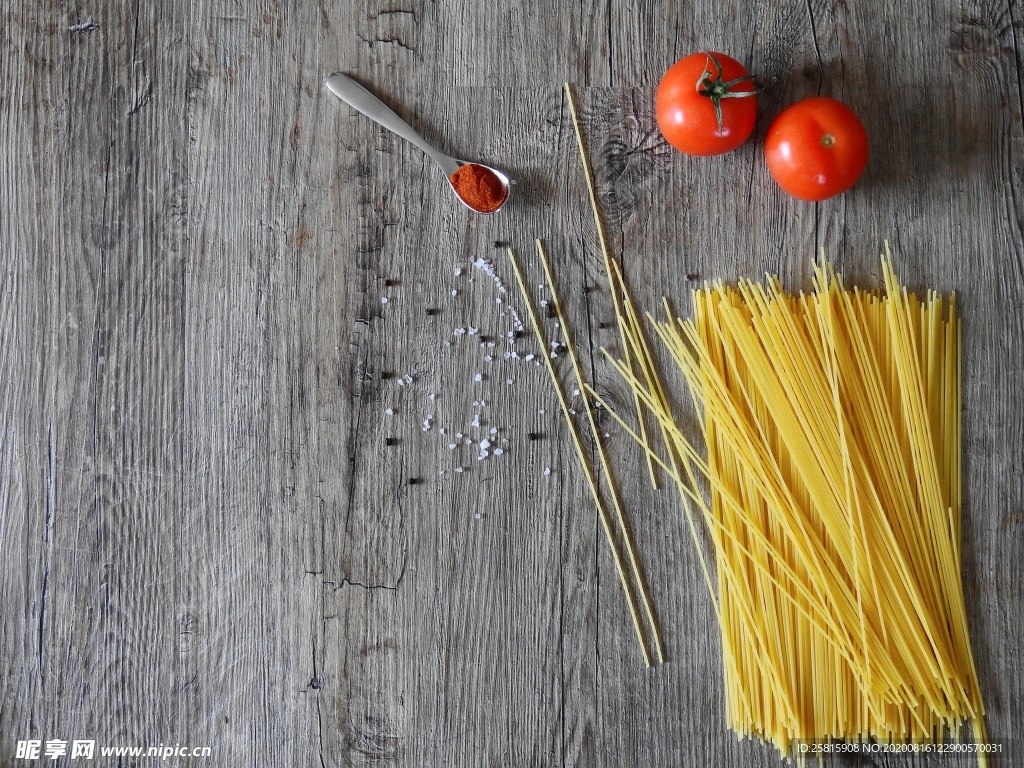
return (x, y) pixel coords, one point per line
(372, 41)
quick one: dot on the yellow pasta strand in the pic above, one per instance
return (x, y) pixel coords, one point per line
(608, 261)
(627, 537)
(581, 454)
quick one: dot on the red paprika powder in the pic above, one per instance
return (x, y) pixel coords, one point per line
(479, 187)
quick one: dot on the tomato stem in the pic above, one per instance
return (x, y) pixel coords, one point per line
(716, 89)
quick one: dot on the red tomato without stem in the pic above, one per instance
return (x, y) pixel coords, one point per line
(706, 104)
(816, 149)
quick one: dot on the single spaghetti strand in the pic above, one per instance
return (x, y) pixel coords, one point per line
(643, 352)
(591, 191)
(627, 537)
(584, 462)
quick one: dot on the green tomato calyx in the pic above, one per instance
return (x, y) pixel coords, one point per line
(716, 89)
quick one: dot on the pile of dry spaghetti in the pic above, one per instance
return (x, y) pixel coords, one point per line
(831, 425)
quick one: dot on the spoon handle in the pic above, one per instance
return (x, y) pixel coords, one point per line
(348, 90)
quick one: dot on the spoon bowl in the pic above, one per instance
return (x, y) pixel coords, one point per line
(352, 93)
(498, 186)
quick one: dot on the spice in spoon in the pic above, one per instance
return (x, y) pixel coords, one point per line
(479, 187)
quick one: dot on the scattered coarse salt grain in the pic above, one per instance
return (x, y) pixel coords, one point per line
(494, 430)
(529, 357)
(485, 444)
(498, 451)
(407, 378)
(454, 292)
(543, 302)
(478, 377)
(509, 382)
(476, 420)
(460, 469)
(516, 320)
(389, 411)
(458, 271)
(483, 455)
(458, 435)
(459, 331)
(488, 269)
(488, 358)
(383, 299)
(575, 392)
(547, 471)
(452, 446)
(473, 331)
(541, 411)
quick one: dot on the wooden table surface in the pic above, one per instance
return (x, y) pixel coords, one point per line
(210, 528)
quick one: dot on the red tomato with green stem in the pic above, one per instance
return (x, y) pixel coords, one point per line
(706, 104)
(816, 149)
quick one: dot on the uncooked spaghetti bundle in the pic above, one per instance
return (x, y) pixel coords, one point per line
(831, 466)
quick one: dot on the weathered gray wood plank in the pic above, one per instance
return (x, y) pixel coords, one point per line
(94, 434)
(212, 532)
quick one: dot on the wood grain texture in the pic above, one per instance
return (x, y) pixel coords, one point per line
(216, 535)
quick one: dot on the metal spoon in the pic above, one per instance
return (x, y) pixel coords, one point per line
(348, 90)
